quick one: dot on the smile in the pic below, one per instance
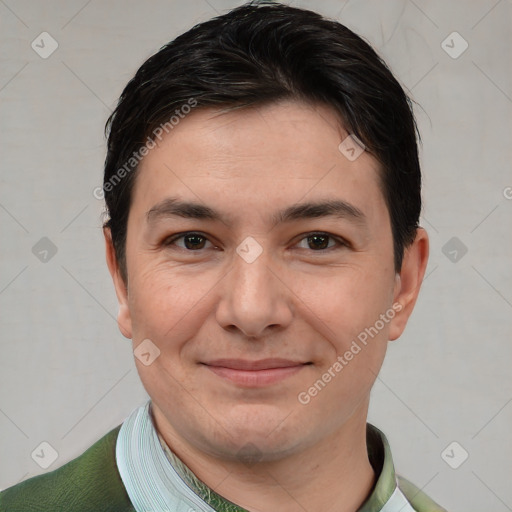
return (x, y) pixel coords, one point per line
(254, 373)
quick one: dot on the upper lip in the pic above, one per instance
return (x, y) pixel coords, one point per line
(262, 364)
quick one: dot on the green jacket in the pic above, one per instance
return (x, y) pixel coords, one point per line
(91, 483)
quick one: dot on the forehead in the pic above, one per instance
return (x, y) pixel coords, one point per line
(257, 157)
(295, 130)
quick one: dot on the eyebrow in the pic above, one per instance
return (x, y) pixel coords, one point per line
(174, 207)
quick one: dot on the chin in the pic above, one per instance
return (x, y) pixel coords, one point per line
(260, 435)
(252, 448)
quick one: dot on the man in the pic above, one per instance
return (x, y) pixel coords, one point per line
(263, 190)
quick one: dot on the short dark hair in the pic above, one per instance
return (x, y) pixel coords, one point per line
(258, 54)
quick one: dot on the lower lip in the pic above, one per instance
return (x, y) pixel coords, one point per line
(255, 378)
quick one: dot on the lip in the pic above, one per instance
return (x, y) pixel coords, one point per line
(255, 373)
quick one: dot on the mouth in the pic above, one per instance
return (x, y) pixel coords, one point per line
(252, 374)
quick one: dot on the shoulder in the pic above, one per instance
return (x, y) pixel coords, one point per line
(89, 483)
(417, 498)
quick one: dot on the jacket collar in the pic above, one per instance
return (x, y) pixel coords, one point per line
(156, 479)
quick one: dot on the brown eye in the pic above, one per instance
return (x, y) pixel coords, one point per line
(192, 241)
(320, 242)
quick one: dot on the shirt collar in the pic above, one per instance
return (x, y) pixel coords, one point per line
(156, 479)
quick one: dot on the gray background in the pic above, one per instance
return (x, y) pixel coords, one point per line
(68, 375)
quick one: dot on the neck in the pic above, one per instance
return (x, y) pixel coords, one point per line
(334, 473)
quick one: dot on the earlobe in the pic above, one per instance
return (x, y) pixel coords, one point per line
(408, 282)
(123, 316)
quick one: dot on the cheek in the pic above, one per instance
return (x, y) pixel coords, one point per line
(350, 319)
(167, 305)
(347, 303)
(156, 303)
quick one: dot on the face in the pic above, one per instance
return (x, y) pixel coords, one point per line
(250, 298)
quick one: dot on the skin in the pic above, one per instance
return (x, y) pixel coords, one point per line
(198, 300)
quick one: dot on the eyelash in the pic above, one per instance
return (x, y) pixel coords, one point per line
(169, 241)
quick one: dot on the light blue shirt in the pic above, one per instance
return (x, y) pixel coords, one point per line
(156, 480)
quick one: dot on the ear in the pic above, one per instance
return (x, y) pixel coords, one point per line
(124, 320)
(408, 282)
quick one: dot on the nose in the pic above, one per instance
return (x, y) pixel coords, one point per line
(254, 298)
